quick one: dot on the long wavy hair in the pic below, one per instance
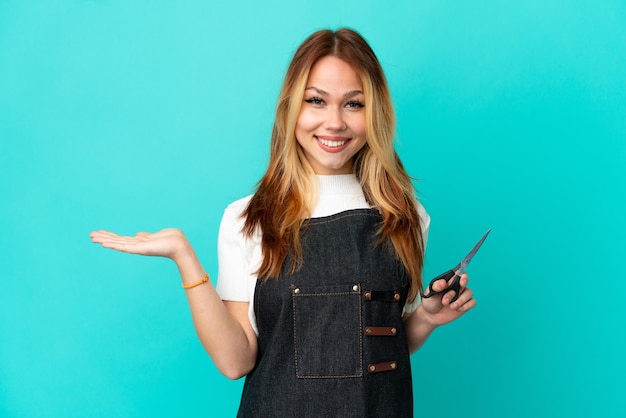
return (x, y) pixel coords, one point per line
(287, 192)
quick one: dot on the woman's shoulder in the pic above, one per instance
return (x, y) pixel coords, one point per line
(233, 219)
(421, 210)
(239, 205)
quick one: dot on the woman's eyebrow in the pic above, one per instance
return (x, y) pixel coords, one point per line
(352, 93)
(346, 95)
(319, 91)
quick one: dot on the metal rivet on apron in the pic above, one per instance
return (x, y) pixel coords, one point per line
(372, 368)
(393, 331)
(368, 295)
(296, 291)
(393, 365)
(368, 330)
(396, 296)
(356, 288)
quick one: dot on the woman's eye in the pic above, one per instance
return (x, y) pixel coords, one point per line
(354, 104)
(315, 100)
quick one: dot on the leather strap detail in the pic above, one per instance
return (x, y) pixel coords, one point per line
(381, 296)
(381, 331)
(387, 366)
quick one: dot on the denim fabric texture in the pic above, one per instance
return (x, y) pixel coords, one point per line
(315, 358)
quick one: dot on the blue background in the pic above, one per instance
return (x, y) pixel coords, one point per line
(139, 115)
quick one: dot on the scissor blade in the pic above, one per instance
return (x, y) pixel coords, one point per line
(470, 255)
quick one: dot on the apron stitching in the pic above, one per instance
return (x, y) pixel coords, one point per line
(295, 340)
(360, 335)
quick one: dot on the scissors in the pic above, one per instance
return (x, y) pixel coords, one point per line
(457, 272)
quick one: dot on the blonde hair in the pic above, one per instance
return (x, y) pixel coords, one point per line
(284, 200)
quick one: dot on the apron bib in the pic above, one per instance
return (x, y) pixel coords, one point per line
(331, 337)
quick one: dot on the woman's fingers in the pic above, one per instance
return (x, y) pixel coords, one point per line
(114, 241)
(439, 285)
(99, 236)
(466, 299)
(448, 297)
(463, 305)
(166, 243)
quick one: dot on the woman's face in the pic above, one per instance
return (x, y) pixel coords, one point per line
(331, 126)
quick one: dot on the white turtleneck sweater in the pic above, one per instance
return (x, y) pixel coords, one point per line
(239, 257)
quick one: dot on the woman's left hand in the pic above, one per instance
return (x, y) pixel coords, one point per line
(440, 310)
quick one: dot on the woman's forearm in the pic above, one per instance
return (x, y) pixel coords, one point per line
(222, 327)
(418, 328)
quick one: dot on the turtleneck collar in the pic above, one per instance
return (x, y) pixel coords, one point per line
(338, 193)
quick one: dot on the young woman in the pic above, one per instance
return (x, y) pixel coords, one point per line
(320, 271)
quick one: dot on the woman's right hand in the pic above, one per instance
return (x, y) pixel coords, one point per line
(169, 242)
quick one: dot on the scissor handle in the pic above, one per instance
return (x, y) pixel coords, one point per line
(455, 285)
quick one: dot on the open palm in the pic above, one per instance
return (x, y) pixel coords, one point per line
(165, 243)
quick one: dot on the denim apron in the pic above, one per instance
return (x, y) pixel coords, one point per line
(331, 338)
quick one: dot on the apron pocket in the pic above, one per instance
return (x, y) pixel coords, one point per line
(327, 331)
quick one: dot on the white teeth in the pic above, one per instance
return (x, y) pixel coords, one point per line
(331, 144)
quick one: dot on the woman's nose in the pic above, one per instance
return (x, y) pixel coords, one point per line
(335, 120)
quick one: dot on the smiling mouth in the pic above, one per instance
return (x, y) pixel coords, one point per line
(331, 143)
